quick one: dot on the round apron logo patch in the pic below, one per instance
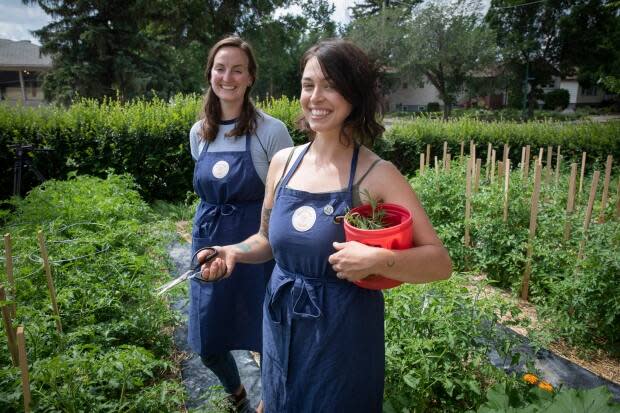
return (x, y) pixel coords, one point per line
(304, 218)
(220, 169)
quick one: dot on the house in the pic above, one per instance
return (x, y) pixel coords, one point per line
(410, 97)
(21, 68)
(578, 95)
(415, 97)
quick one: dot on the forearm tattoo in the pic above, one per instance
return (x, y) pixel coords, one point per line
(243, 247)
(264, 223)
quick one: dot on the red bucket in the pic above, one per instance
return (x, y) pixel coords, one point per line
(398, 236)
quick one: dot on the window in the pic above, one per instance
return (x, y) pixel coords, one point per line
(590, 91)
(405, 85)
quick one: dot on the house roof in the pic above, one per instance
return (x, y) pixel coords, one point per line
(22, 55)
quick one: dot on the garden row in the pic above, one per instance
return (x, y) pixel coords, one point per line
(104, 343)
(149, 140)
(548, 234)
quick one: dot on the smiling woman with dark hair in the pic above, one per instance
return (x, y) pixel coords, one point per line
(323, 339)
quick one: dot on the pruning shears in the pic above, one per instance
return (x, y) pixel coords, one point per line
(194, 272)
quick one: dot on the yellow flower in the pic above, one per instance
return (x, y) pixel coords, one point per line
(530, 378)
(546, 386)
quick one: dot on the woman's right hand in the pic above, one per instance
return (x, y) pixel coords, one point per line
(220, 267)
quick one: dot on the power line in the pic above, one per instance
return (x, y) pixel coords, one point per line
(518, 5)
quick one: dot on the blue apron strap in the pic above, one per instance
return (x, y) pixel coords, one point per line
(295, 166)
(356, 151)
(247, 142)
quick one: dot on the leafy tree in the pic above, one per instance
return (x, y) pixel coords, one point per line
(445, 44)
(589, 37)
(366, 8)
(134, 48)
(280, 43)
(529, 38)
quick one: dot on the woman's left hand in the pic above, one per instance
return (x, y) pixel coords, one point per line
(352, 260)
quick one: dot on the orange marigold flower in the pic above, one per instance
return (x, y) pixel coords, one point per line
(530, 378)
(546, 386)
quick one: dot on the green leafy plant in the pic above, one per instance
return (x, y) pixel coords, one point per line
(375, 220)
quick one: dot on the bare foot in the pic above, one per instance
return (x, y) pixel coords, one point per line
(260, 408)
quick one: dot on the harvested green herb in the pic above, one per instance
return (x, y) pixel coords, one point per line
(375, 221)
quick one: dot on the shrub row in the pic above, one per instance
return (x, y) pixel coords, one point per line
(406, 140)
(149, 140)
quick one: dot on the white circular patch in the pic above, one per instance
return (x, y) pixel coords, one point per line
(220, 169)
(328, 209)
(304, 218)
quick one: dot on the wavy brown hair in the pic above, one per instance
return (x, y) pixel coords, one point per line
(356, 77)
(212, 110)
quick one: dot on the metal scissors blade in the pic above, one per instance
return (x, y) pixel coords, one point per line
(192, 273)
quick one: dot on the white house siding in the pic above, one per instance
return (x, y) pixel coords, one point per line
(413, 97)
(573, 90)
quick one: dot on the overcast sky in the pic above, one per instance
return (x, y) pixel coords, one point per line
(17, 20)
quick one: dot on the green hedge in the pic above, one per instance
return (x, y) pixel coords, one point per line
(147, 139)
(406, 140)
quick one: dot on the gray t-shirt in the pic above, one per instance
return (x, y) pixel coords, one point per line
(271, 135)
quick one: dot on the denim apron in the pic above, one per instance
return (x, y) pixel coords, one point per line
(227, 315)
(323, 339)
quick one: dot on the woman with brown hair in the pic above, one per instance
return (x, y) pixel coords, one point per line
(232, 145)
(323, 338)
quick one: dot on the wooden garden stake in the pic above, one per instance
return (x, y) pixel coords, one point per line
(618, 199)
(505, 154)
(533, 216)
(601, 216)
(549, 167)
(570, 204)
(583, 170)
(436, 166)
(421, 163)
(467, 199)
(506, 184)
(489, 149)
(462, 148)
(541, 152)
(8, 327)
(428, 155)
(492, 178)
(522, 160)
(477, 175)
(8, 254)
(586, 221)
(445, 153)
(526, 170)
(500, 171)
(23, 364)
(557, 165)
(448, 159)
(50, 281)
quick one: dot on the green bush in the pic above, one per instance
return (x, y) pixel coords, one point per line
(556, 99)
(147, 139)
(433, 107)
